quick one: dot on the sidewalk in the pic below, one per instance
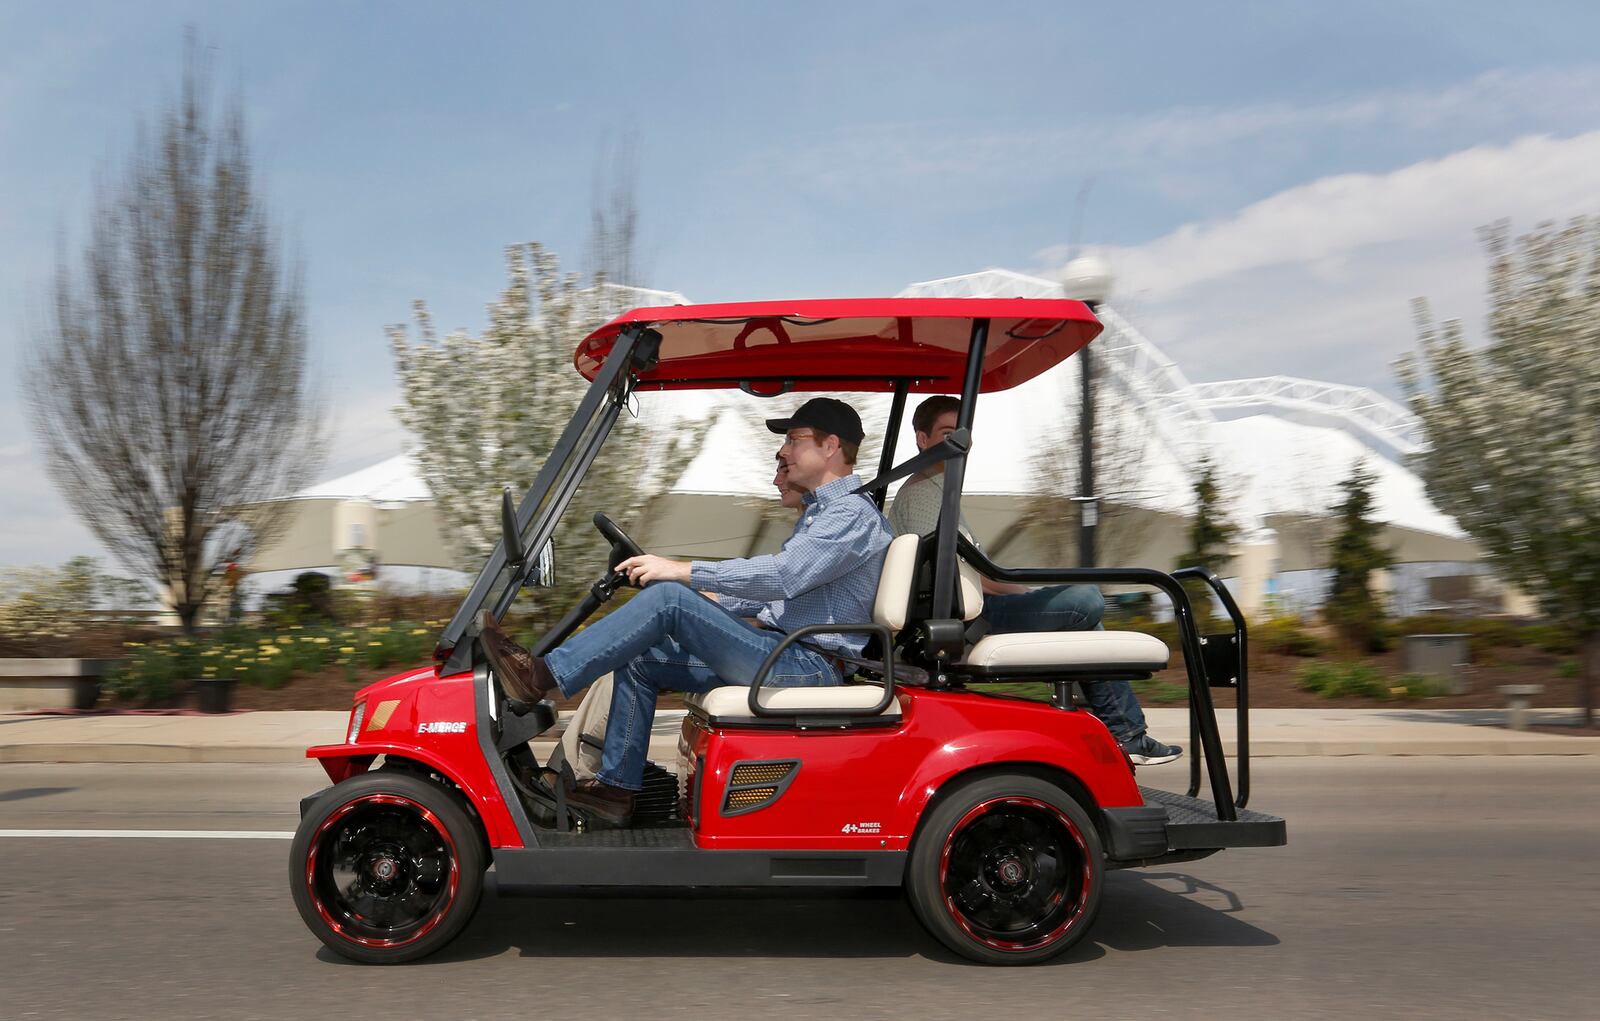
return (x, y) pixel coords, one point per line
(284, 736)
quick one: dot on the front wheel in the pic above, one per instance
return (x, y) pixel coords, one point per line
(1007, 869)
(386, 867)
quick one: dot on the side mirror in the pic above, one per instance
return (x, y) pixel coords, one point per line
(543, 574)
(515, 554)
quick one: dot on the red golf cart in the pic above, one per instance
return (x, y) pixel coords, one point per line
(999, 815)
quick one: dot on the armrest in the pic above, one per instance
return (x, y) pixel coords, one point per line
(885, 642)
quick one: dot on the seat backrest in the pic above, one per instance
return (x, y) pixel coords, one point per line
(897, 585)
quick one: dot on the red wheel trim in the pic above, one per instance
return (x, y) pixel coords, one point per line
(340, 813)
(1073, 914)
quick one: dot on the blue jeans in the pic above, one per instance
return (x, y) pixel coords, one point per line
(670, 638)
(1070, 608)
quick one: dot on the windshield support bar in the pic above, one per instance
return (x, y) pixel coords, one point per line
(452, 652)
(562, 498)
(944, 571)
(891, 433)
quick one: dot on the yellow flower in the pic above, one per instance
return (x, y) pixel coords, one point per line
(420, 631)
(346, 649)
(372, 644)
(321, 639)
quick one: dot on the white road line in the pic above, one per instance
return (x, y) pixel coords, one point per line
(155, 834)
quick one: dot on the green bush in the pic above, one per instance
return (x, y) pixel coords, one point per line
(1567, 668)
(1551, 638)
(1285, 636)
(1166, 630)
(154, 672)
(1487, 633)
(1338, 679)
(1419, 686)
(268, 657)
(1160, 692)
(308, 600)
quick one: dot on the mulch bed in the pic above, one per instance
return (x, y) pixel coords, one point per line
(1272, 683)
(1272, 686)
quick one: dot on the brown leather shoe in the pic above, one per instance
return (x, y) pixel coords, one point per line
(613, 804)
(522, 674)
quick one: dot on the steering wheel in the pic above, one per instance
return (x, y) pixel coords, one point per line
(622, 547)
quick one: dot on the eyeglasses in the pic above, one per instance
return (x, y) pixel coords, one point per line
(789, 440)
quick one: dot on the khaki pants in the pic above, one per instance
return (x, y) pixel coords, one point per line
(586, 731)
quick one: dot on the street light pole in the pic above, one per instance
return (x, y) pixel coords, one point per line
(1089, 280)
(1088, 504)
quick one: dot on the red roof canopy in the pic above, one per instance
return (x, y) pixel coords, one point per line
(850, 344)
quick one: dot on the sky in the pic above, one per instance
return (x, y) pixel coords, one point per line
(1272, 183)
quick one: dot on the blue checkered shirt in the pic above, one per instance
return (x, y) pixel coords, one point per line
(826, 572)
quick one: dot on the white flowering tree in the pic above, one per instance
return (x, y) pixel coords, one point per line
(486, 412)
(1513, 427)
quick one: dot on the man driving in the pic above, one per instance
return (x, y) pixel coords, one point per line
(670, 637)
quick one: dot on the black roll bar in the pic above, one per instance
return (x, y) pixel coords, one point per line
(559, 500)
(885, 644)
(1242, 702)
(1202, 712)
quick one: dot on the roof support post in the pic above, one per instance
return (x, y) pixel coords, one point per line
(890, 435)
(944, 571)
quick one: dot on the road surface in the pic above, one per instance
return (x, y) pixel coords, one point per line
(1411, 888)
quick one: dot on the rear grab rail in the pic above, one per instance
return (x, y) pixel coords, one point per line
(1202, 710)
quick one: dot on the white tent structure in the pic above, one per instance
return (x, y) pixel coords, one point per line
(380, 517)
(1283, 445)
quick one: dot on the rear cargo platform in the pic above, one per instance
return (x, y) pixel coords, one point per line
(1192, 824)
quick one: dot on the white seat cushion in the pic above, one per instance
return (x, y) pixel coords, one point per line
(733, 700)
(1114, 650)
(895, 583)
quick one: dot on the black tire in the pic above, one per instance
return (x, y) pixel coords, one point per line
(1006, 869)
(387, 867)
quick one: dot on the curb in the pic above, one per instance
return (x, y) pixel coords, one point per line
(282, 737)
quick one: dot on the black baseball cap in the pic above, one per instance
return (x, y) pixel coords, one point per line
(824, 414)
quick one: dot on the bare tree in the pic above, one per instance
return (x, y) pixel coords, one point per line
(168, 382)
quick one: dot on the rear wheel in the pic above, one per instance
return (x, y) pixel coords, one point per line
(386, 867)
(1006, 870)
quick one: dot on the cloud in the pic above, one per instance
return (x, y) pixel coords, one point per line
(1316, 280)
(1195, 152)
(1319, 224)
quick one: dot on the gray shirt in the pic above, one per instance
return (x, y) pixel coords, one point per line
(916, 507)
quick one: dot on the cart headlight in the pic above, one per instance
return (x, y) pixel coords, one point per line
(356, 715)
